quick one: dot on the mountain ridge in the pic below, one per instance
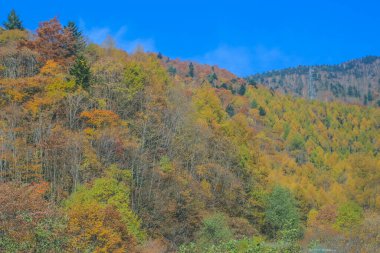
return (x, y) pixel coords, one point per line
(356, 81)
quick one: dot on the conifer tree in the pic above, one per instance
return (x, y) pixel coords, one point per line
(77, 34)
(191, 70)
(81, 72)
(13, 22)
(242, 90)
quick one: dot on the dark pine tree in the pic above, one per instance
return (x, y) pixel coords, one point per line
(262, 111)
(230, 110)
(242, 90)
(81, 72)
(191, 70)
(172, 71)
(13, 22)
(80, 43)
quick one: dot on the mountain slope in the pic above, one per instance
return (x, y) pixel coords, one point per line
(356, 81)
(105, 151)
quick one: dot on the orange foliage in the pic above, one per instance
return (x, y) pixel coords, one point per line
(100, 118)
(99, 227)
(51, 68)
(53, 42)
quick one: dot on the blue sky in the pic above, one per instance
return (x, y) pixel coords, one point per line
(243, 36)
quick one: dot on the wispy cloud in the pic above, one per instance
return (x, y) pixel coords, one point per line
(99, 34)
(235, 59)
(130, 45)
(244, 61)
(273, 58)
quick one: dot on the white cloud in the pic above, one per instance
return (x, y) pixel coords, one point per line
(99, 34)
(273, 58)
(131, 45)
(245, 61)
(237, 60)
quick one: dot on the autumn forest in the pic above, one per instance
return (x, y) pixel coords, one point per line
(107, 151)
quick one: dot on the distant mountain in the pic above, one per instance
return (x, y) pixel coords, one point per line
(356, 81)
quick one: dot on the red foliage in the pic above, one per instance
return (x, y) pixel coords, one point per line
(53, 42)
(22, 208)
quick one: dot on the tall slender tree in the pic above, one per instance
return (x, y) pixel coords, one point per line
(191, 70)
(80, 42)
(13, 22)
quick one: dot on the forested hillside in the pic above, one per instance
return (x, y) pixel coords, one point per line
(106, 151)
(356, 81)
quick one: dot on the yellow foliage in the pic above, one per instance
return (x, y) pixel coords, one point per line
(51, 68)
(91, 221)
(100, 118)
(14, 35)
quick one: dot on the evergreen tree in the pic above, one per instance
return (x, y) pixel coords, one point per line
(254, 104)
(262, 111)
(281, 213)
(191, 70)
(172, 70)
(224, 86)
(370, 96)
(212, 77)
(215, 230)
(242, 90)
(81, 72)
(13, 22)
(230, 110)
(77, 34)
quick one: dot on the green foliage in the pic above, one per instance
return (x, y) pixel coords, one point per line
(255, 245)
(13, 22)
(282, 215)
(50, 235)
(254, 104)
(316, 158)
(350, 215)
(214, 231)
(165, 164)
(297, 142)
(110, 191)
(286, 131)
(135, 78)
(47, 236)
(81, 72)
(215, 236)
